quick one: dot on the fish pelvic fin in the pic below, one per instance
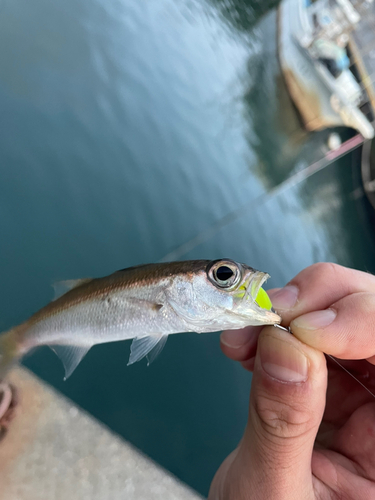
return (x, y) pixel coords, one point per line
(150, 346)
(70, 355)
(61, 287)
(9, 351)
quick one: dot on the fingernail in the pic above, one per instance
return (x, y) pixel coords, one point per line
(236, 338)
(281, 360)
(285, 298)
(315, 320)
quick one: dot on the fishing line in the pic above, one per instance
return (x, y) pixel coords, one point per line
(335, 360)
(293, 180)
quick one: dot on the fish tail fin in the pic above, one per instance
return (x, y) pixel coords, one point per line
(9, 351)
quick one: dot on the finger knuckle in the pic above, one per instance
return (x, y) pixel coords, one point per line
(281, 419)
(318, 274)
(325, 268)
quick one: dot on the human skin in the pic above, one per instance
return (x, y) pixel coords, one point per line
(304, 440)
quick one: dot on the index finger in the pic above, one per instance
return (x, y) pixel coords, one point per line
(318, 287)
(345, 330)
(315, 288)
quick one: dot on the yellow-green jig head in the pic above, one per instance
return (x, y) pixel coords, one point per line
(263, 300)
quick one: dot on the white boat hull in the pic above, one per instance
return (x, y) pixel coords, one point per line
(321, 101)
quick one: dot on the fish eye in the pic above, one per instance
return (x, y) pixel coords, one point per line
(224, 274)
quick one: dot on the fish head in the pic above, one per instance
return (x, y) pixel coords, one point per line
(237, 289)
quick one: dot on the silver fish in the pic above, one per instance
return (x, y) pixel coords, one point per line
(145, 303)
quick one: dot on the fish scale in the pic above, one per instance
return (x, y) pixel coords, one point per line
(144, 303)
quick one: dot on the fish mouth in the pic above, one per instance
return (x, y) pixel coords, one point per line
(252, 285)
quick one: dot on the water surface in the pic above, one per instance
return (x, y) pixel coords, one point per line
(127, 129)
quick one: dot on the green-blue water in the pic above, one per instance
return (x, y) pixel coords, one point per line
(128, 128)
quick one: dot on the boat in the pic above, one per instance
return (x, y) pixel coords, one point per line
(321, 50)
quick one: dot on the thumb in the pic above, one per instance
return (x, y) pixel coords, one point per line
(286, 407)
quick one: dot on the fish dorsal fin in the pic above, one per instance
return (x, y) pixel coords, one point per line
(149, 346)
(70, 355)
(61, 287)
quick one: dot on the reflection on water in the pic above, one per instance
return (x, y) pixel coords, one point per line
(242, 15)
(128, 128)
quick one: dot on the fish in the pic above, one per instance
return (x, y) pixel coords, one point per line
(146, 303)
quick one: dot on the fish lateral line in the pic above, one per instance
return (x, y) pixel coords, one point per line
(145, 303)
(333, 359)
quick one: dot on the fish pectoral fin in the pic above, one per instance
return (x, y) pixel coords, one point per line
(61, 287)
(150, 346)
(70, 355)
(144, 303)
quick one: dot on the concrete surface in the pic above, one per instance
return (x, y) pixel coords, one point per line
(54, 451)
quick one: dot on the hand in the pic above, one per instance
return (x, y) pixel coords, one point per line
(300, 442)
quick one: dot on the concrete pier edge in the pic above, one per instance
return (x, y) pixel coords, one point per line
(53, 450)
